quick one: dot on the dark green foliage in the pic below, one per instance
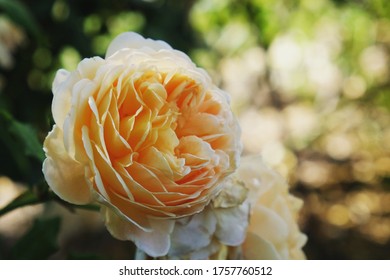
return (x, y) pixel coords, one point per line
(38, 243)
(20, 15)
(22, 153)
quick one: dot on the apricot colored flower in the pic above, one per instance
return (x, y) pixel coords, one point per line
(145, 133)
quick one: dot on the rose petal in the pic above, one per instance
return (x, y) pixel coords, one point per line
(257, 248)
(192, 234)
(133, 40)
(155, 242)
(232, 224)
(62, 95)
(64, 175)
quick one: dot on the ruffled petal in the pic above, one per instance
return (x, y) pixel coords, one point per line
(257, 248)
(65, 176)
(193, 233)
(154, 243)
(232, 224)
(133, 40)
(62, 95)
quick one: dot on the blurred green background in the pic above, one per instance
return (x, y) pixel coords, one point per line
(309, 82)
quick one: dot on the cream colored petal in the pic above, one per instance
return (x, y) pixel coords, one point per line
(268, 224)
(206, 252)
(154, 243)
(59, 78)
(257, 248)
(63, 84)
(106, 76)
(65, 176)
(258, 177)
(157, 242)
(193, 233)
(133, 40)
(89, 66)
(135, 219)
(119, 228)
(62, 95)
(232, 224)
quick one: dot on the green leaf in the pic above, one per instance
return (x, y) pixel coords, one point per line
(20, 15)
(21, 153)
(40, 242)
(26, 198)
(28, 137)
(20, 141)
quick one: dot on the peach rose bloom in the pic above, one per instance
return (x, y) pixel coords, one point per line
(273, 231)
(145, 133)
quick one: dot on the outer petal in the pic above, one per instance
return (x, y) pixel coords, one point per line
(232, 212)
(60, 77)
(155, 243)
(269, 225)
(206, 252)
(257, 248)
(232, 224)
(133, 40)
(62, 96)
(64, 175)
(63, 84)
(193, 233)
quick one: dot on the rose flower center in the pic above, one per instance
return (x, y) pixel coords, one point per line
(162, 134)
